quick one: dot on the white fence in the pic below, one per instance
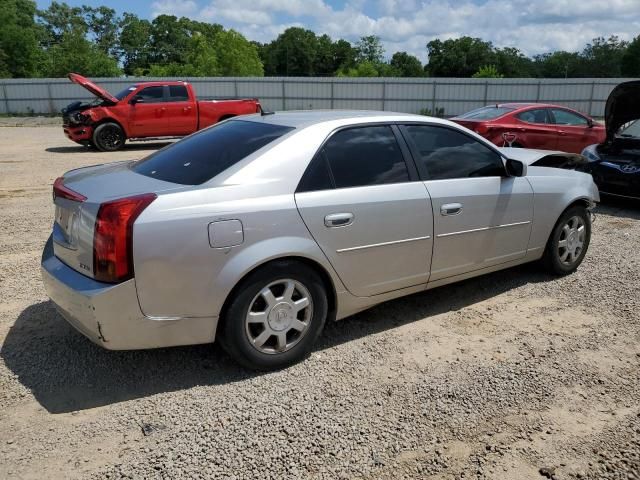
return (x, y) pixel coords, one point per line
(454, 95)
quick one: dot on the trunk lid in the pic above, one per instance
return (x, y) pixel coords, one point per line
(92, 87)
(623, 106)
(74, 224)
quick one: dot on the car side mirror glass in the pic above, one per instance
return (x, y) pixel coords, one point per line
(590, 123)
(515, 168)
(136, 99)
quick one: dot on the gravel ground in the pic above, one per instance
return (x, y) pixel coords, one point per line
(515, 375)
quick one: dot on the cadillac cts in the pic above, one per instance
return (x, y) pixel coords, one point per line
(258, 230)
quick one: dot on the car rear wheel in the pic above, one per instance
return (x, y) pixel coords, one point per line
(569, 241)
(276, 316)
(108, 137)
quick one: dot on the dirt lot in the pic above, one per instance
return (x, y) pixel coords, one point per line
(515, 375)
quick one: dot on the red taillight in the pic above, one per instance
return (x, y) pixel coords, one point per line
(60, 191)
(113, 237)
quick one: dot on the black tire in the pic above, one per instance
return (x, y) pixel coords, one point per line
(235, 332)
(552, 258)
(108, 137)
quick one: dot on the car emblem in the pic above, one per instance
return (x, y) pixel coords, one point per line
(629, 169)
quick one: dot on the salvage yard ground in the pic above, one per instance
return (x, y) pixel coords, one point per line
(514, 375)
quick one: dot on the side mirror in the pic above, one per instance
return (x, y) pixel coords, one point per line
(516, 168)
(589, 122)
(136, 99)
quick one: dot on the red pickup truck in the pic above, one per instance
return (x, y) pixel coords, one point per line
(144, 110)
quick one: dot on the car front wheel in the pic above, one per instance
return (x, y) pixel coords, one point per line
(276, 316)
(108, 137)
(568, 242)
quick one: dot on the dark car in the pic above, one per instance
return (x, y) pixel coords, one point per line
(615, 164)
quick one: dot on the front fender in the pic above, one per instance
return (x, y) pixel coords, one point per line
(554, 191)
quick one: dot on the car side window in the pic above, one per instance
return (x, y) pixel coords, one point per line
(151, 94)
(317, 176)
(363, 156)
(445, 153)
(538, 115)
(564, 117)
(178, 93)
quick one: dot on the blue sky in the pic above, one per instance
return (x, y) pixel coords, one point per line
(534, 26)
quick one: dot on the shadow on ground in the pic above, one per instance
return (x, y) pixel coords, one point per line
(619, 207)
(127, 146)
(66, 372)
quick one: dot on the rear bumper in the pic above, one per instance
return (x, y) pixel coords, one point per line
(80, 134)
(110, 316)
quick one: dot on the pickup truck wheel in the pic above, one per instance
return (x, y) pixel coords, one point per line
(276, 316)
(568, 242)
(108, 137)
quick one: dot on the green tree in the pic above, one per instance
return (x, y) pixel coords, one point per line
(487, 71)
(344, 55)
(513, 63)
(603, 57)
(134, 44)
(103, 25)
(20, 55)
(237, 57)
(407, 65)
(460, 57)
(74, 53)
(60, 18)
(169, 39)
(630, 61)
(293, 52)
(370, 49)
(325, 61)
(362, 69)
(559, 65)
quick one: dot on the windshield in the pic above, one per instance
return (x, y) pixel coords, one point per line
(202, 156)
(125, 92)
(631, 131)
(486, 113)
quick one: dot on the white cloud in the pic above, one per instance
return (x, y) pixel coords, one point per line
(532, 26)
(179, 8)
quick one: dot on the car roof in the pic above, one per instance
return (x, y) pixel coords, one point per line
(517, 105)
(306, 118)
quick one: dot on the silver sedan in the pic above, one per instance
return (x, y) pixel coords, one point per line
(257, 231)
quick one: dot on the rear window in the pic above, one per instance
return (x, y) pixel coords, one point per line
(486, 113)
(178, 93)
(202, 156)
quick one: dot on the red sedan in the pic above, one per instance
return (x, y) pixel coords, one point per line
(534, 125)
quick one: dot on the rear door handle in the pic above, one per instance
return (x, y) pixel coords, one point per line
(338, 220)
(451, 209)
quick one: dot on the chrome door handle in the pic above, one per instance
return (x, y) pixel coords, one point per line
(451, 209)
(338, 220)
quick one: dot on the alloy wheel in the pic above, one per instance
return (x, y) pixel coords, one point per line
(572, 239)
(279, 316)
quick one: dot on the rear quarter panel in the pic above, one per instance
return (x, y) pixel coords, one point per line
(178, 273)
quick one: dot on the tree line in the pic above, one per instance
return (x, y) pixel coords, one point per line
(96, 41)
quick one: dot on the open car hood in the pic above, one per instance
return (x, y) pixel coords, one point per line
(92, 87)
(623, 106)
